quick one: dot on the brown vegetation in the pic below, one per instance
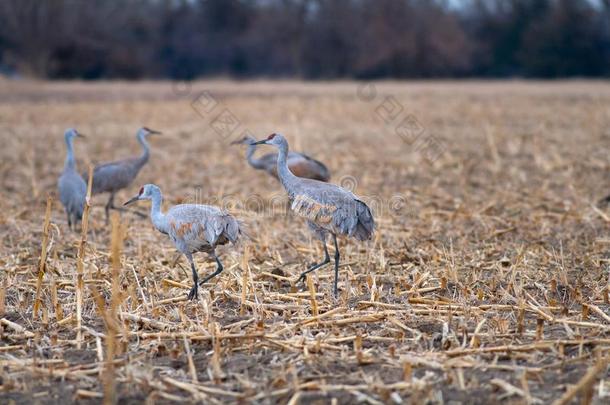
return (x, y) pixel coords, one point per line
(487, 280)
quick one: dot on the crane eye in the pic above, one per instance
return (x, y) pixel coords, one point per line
(141, 190)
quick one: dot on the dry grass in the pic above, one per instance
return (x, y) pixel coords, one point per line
(490, 284)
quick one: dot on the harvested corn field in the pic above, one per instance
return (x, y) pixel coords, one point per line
(486, 280)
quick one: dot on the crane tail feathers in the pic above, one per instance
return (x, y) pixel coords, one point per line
(365, 227)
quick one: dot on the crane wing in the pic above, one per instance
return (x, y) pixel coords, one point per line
(201, 227)
(305, 166)
(334, 209)
(113, 175)
(313, 210)
(72, 192)
(268, 159)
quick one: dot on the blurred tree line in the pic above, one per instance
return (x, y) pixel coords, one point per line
(184, 39)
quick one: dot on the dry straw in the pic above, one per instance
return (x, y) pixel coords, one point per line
(80, 262)
(492, 286)
(43, 255)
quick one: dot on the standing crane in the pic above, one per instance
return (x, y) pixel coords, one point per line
(326, 207)
(193, 228)
(113, 176)
(72, 187)
(300, 164)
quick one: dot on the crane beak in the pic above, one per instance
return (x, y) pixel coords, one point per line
(80, 135)
(134, 199)
(242, 142)
(263, 142)
(153, 132)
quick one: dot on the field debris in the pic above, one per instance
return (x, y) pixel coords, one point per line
(488, 280)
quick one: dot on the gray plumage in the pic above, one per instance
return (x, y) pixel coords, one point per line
(113, 176)
(72, 188)
(300, 164)
(193, 228)
(326, 207)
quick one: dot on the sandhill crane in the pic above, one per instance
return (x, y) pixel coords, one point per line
(300, 164)
(113, 176)
(72, 187)
(193, 228)
(326, 207)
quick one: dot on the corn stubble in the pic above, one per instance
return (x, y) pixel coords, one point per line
(489, 284)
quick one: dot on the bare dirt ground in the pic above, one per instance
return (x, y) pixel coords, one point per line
(487, 280)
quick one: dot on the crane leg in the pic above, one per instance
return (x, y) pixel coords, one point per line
(75, 222)
(604, 201)
(337, 257)
(109, 205)
(69, 220)
(175, 261)
(316, 266)
(219, 269)
(193, 294)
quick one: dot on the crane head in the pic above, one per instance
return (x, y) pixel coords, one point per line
(144, 131)
(72, 133)
(274, 139)
(146, 193)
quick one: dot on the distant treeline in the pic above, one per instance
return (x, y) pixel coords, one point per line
(316, 39)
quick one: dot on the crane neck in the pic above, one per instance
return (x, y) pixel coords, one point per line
(255, 163)
(156, 215)
(145, 150)
(287, 178)
(70, 163)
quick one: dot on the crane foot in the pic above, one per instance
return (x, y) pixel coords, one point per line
(313, 268)
(193, 294)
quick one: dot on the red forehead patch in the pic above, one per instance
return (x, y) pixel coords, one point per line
(141, 190)
(271, 137)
